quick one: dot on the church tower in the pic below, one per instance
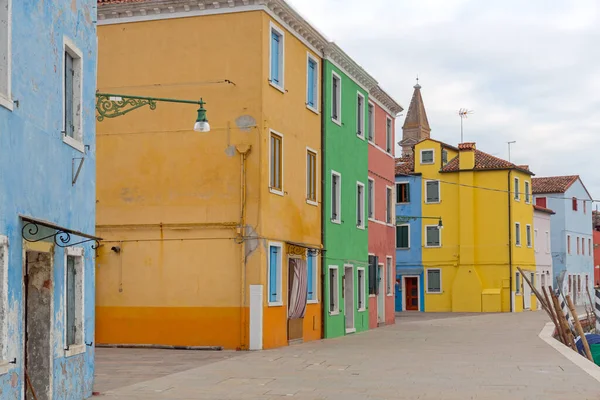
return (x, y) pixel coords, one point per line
(416, 127)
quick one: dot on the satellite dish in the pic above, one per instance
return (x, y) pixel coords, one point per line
(245, 122)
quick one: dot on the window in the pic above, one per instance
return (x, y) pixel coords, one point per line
(275, 263)
(313, 277)
(402, 192)
(528, 235)
(527, 196)
(389, 278)
(569, 290)
(589, 247)
(373, 275)
(427, 157)
(336, 197)
(547, 242)
(311, 176)
(434, 280)
(336, 101)
(541, 202)
(362, 289)
(432, 236)
(371, 123)
(388, 205)
(403, 236)
(535, 240)
(334, 290)
(74, 309)
(432, 191)
(543, 280)
(444, 157)
(574, 203)
(360, 205)
(3, 297)
(583, 246)
(371, 197)
(360, 116)
(517, 283)
(578, 245)
(579, 283)
(584, 207)
(569, 244)
(517, 234)
(389, 135)
(517, 194)
(276, 76)
(72, 96)
(5, 52)
(312, 84)
(276, 163)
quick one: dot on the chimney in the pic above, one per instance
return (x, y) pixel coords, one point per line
(466, 155)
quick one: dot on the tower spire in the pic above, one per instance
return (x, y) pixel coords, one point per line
(416, 126)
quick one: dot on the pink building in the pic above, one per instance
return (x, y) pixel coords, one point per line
(381, 204)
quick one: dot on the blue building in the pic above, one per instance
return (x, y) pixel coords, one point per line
(410, 294)
(47, 198)
(571, 233)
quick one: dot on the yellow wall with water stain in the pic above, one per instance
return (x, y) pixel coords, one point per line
(170, 197)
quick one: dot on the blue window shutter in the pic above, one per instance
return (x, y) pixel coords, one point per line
(311, 263)
(311, 83)
(273, 273)
(275, 38)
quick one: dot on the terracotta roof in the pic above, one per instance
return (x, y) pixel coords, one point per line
(466, 146)
(552, 184)
(483, 161)
(405, 165)
(543, 209)
(446, 145)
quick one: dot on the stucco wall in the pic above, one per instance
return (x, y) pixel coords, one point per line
(542, 245)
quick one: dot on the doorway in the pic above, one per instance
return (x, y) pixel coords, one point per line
(38, 286)
(527, 293)
(380, 295)
(349, 298)
(297, 296)
(411, 293)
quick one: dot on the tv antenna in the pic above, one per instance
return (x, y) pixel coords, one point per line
(463, 113)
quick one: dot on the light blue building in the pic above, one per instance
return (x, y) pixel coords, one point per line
(570, 232)
(410, 294)
(47, 198)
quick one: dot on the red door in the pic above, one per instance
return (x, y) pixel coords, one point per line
(412, 294)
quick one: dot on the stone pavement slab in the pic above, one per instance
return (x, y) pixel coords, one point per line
(483, 356)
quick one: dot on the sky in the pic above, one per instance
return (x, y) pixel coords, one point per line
(530, 71)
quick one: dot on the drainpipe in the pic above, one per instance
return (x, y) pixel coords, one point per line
(323, 177)
(510, 266)
(243, 150)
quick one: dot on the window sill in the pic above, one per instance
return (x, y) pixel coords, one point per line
(351, 330)
(372, 295)
(74, 143)
(433, 247)
(75, 350)
(402, 248)
(432, 202)
(361, 137)
(427, 163)
(277, 192)
(336, 221)
(6, 102)
(403, 203)
(371, 142)
(361, 310)
(312, 109)
(5, 367)
(276, 304)
(517, 245)
(332, 313)
(389, 295)
(361, 227)
(336, 121)
(312, 301)
(312, 203)
(276, 86)
(428, 292)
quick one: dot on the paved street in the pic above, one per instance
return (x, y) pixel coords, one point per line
(437, 356)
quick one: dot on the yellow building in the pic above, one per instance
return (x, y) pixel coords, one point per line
(485, 205)
(202, 229)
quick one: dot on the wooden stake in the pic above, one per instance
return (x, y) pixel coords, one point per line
(564, 325)
(561, 334)
(579, 329)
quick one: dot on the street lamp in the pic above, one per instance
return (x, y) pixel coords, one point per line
(114, 105)
(404, 218)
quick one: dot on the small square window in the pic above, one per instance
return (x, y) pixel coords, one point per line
(402, 192)
(432, 191)
(433, 236)
(427, 157)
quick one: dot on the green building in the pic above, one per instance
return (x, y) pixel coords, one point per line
(345, 178)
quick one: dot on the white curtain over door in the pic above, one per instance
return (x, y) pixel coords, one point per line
(298, 288)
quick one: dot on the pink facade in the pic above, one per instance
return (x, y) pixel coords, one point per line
(382, 231)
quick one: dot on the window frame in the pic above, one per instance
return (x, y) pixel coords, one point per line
(76, 54)
(389, 276)
(4, 250)
(439, 233)
(547, 242)
(589, 247)
(371, 123)
(517, 188)
(389, 209)
(397, 192)
(408, 237)
(432, 156)
(314, 108)
(360, 116)
(527, 189)
(371, 198)
(389, 135)
(568, 244)
(518, 283)
(528, 237)
(574, 205)
(360, 205)
(444, 157)
(79, 346)
(6, 98)
(518, 238)
(545, 201)
(281, 85)
(536, 245)
(315, 267)
(338, 94)
(577, 239)
(272, 189)
(583, 246)
(338, 196)
(309, 200)
(427, 281)
(425, 182)
(362, 289)
(279, 280)
(336, 289)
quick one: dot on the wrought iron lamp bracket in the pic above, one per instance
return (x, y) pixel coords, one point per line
(61, 238)
(110, 105)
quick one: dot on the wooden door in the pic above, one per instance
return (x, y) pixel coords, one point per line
(412, 294)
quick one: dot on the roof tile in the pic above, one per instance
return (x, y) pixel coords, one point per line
(405, 165)
(543, 209)
(483, 161)
(552, 184)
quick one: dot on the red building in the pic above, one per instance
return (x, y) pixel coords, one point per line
(382, 113)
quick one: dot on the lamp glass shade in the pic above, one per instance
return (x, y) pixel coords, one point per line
(202, 126)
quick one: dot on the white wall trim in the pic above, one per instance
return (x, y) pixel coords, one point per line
(361, 135)
(404, 291)
(316, 201)
(338, 121)
(6, 98)
(337, 220)
(77, 348)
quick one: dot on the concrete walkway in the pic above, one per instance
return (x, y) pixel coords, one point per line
(493, 356)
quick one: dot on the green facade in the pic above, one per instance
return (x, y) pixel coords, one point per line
(345, 243)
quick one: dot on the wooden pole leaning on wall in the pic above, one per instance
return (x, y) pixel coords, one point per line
(554, 319)
(564, 325)
(535, 291)
(579, 329)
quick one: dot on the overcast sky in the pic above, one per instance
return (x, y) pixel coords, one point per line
(530, 70)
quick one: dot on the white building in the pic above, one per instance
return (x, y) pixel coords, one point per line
(542, 244)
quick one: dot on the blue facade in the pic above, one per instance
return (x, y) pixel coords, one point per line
(409, 262)
(574, 227)
(36, 183)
